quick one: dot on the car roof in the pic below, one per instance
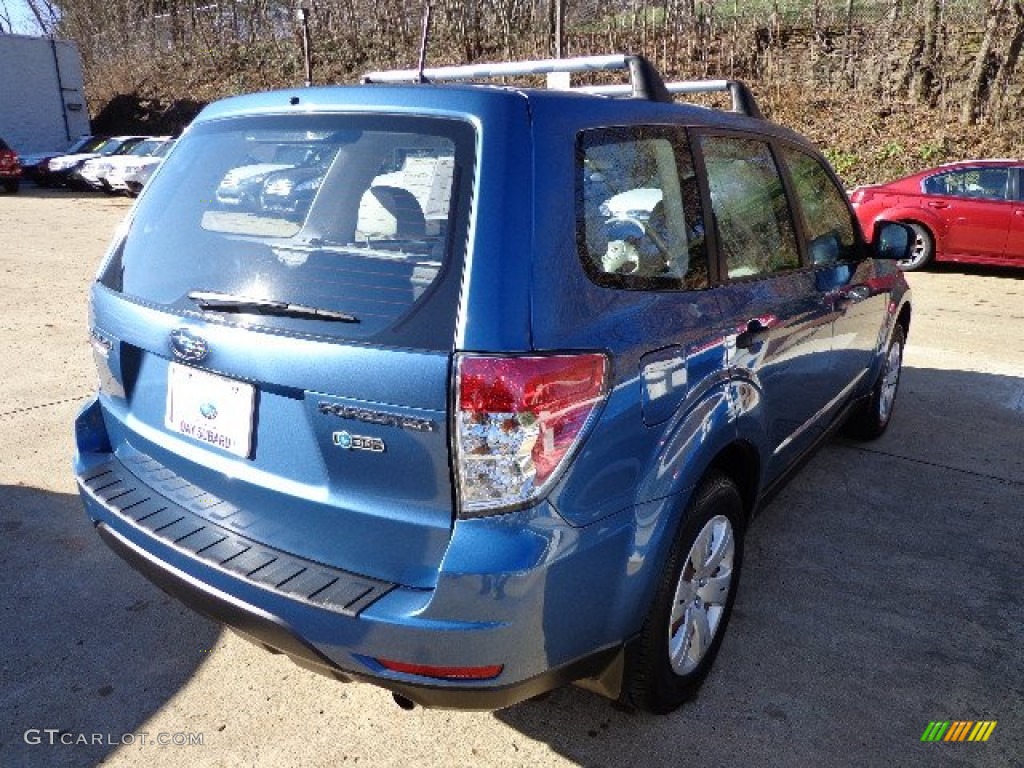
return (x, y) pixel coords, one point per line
(457, 92)
(469, 101)
(986, 161)
(956, 165)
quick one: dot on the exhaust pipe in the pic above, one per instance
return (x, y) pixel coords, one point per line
(403, 702)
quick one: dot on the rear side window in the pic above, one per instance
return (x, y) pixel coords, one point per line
(754, 225)
(638, 210)
(826, 218)
(981, 183)
(355, 217)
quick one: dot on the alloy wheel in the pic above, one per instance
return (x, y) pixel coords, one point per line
(701, 595)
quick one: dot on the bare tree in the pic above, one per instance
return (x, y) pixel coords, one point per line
(976, 86)
(924, 60)
(46, 15)
(1003, 102)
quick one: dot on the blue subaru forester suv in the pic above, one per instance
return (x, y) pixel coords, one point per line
(470, 391)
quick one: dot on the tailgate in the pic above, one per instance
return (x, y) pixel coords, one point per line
(334, 452)
(289, 351)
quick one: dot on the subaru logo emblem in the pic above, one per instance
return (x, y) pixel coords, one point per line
(209, 410)
(188, 346)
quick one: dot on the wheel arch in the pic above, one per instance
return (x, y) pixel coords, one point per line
(740, 462)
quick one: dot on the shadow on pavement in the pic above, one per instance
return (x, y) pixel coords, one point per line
(982, 270)
(90, 647)
(881, 591)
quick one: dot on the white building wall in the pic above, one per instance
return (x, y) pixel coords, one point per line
(33, 102)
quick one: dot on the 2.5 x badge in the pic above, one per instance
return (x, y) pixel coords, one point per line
(352, 442)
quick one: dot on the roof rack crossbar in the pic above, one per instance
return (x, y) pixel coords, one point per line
(645, 82)
(743, 101)
(501, 69)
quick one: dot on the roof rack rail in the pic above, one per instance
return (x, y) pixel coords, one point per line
(645, 82)
(743, 100)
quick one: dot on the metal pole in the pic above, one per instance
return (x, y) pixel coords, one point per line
(60, 87)
(302, 14)
(424, 40)
(559, 33)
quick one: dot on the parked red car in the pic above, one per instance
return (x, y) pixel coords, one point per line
(10, 168)
(970, 211)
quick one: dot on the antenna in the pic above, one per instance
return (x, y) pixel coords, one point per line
(424, 39)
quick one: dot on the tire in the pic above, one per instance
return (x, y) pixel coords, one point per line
(923, 249)
(667, 664)
(872, 418)
(11, 186)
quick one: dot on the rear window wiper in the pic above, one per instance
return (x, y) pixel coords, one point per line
(226, 302)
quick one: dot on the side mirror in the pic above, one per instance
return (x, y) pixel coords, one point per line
(893, 241)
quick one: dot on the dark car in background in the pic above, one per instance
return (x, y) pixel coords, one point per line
(290, 191)
(970, 211)
(10, 168)
(241, 187)
(37, 165)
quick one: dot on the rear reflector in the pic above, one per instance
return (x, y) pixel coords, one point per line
(443, 673)
(517, 421)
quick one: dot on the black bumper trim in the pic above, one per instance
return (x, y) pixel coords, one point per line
(147, 495)
(254, 624)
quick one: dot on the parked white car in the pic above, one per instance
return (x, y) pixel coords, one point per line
(63, 170)
(95, 173)
(129, 173)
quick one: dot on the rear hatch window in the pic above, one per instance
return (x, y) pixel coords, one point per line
(315, 260)
(336, 225)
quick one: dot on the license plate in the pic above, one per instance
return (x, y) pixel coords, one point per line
(212, 409)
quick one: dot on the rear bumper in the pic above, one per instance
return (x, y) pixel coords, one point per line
(524, 591)
(273, 634)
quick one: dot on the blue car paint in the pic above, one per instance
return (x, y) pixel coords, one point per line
(532, 589)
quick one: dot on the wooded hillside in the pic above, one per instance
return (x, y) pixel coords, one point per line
(884, 86)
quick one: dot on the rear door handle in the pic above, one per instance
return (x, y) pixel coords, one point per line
(755, 333)
(845, 296)
(937, 204)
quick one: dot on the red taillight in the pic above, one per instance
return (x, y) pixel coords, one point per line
(518, 418)
(862, 195)
(443, 673)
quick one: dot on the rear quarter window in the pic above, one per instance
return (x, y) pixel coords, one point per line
(639, 222)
